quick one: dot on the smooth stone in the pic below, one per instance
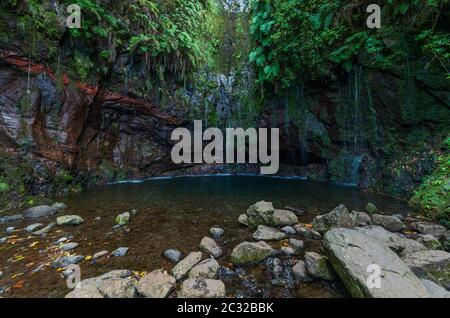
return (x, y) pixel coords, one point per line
(297, 211)
(390, 223)
(157, 284)
(284, 217)
(10, 229)
(11, 218)
(243, 219)
(65, 261)
(435, 290)
(69, 246)
(172, 255)
(69, 220)
(351, 254)
(435, 230)
(62, 239)
(287, 250)
(431, 242)
(288, 230)
(305, 232)
(3, 240)
(33, 227)
(85, 292)
(395, 241)
(265, 233)
(300, 272)
(209, 246)
(208, 268)
(363, 218)
(260, 213)
(99, 255)
(123, 219)
(371, 208)
(250, 253)
(43, 211)
(216, 232)
(318, 266)
(117, 288)
(45, 230)
(297, 245)
(183, 267)
(121, 251)
(202, 288)
(339, 217)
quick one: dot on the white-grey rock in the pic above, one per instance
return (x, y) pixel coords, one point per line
(243, 219)
(45, 230)
(261, 213)
(181, 269)
(318, 266)
(351, 253)
(339, 217)
(433, 229)
(69, 220)
(117, 288)
(390, 223)
(157, 284)
(284, 218)
(65, 261)
(87, 291)
(69, 246)
(250, 253)
(208, 268)
(202, 288)
(300, 272)
(265, 233)
(363, 218)
(121, 251)
(33, 227)
(288, 230)
(305, 232)
(209, 246)
(216, 232)
(434, 289)
(10, 229)
(43, 211)
(172, 255)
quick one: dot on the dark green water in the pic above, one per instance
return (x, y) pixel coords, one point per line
(174, 213)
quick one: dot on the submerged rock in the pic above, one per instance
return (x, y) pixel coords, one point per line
(157, 284)
(352, 252)
(306, 232)
(390, 223)
(318, 266)
(45, 230)
(371, 208)
(261, 213)
(181, 269)
(339, 217)
(98, 255)
(445, 239)
(208, 268)
(288, 230)
(202, 288)
(216, 232)
(172, 255)
(43, 211)
(121, 251)
(10, 229)
(32, 227)
(284, 217)
(209, 246)
(65, 261)
(123, 219)
(88, 291)
(11, 218)
(69, 220)
(265, 233)
(68, 246)
(249, 253)
(435, 230)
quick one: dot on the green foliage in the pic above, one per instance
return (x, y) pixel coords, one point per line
(433, 196)
(312, 39)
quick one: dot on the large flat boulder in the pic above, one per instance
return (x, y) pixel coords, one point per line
(351, 253)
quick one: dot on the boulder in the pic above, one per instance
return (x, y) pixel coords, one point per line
(306, 232)
(318, 266)
(435, 230)
(261, 213)
(390, 223)
(284, 217)
(265, 233)
(117, 288)
(181, 269)
(435, 290)
(202, 288)
(249, 253)
(430, 242)
(43, 211)
(69, 220)
(299, 271)
(10, 229)
(351, 254)
(88, 291)
(172, 255)
(363, 218)
(208, 268)
(339, 217)
(431, 264)
(395, 241)
(371, 208)
(209, 246)
(243, 219)
(157, 284)
(216, 232)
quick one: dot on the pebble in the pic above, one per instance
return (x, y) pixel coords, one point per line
(173, 255)
(216, 232)
(121, 251)
(10, 229)
(32, 227)
(68, 246)
(99, 254)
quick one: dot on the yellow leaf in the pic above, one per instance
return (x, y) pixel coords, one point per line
(88, 258)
